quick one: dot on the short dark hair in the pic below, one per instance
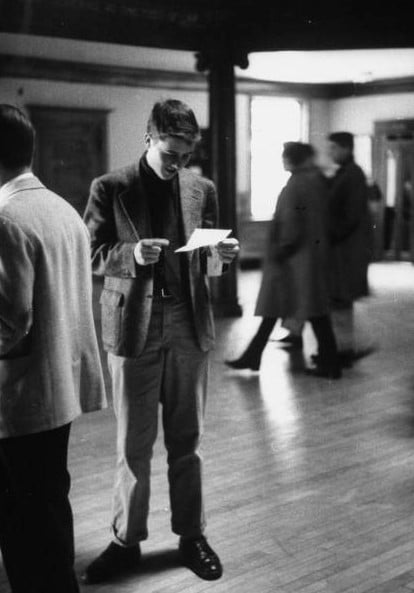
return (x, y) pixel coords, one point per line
(342, 139)
(17, 138)
(297, 152)
(173, 118)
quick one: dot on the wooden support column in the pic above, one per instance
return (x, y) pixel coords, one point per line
(222, 107)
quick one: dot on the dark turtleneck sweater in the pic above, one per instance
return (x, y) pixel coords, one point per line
(163, 200)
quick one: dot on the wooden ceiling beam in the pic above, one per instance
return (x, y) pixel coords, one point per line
(250, 25)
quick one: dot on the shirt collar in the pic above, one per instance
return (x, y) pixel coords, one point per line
(8, 188)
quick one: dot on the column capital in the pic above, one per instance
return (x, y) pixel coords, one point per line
(207, 59)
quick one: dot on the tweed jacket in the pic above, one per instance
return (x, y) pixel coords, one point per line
(117, 217)
(50, 369)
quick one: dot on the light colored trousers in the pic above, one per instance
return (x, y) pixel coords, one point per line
(173, 371)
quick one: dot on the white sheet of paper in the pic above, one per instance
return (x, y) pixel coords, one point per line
(203, 238)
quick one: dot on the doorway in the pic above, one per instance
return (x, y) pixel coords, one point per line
(394, 164)
(71, 149)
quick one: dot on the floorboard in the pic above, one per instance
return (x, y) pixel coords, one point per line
(309, 483)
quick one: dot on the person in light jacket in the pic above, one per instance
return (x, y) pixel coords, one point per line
(50, 371)
(295, 279)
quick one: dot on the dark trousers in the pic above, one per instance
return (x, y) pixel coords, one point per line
(36, 524)
(327, 348)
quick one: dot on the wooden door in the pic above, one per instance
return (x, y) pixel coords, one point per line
(394, 170)
(71, 149)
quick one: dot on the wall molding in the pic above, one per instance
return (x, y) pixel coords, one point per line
(79, 72)
(102, 74)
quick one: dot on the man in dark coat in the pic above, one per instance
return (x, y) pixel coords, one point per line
(294, 282)
(348, 225)
(157, 328)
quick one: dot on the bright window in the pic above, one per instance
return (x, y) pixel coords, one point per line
(274, 120)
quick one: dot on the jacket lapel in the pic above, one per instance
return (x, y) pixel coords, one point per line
(134, 205)
(191, 197)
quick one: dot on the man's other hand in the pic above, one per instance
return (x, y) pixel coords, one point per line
(228, 249)
(148, 251)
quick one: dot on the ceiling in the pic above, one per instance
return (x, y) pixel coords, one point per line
(318, 41)
(331, 66)
(317, 67)
(218, 25)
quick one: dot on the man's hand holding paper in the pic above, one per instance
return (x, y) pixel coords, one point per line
(227, 250)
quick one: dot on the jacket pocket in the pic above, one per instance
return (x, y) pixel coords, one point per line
(112, 303)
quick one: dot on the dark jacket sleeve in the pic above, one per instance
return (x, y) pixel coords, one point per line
(111, 256)
(348, 202)
(210, 216)
(210, 207)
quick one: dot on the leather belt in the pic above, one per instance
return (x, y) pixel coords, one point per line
(162, 294)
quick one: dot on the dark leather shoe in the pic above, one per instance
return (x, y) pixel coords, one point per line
(325, 372)
(244, 362)
(346, 358)
(291, 342)
(200, 558)
(114, 561)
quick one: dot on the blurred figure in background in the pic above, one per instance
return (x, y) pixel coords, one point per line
(349, 236)
(295, 281)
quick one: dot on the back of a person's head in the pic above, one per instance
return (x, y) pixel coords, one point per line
(173, 118)
(16, 138)
(342, 139)
(297, 153)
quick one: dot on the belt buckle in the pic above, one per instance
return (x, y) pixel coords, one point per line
(164, 294)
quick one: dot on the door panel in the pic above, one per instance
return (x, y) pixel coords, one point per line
(394, 171)
(70, 150)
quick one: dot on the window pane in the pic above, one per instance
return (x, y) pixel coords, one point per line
(363, 153)
(391, 195)
(274, 120)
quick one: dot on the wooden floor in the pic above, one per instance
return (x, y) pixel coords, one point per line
(309, 483)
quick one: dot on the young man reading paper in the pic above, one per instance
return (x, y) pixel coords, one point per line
(158, 330)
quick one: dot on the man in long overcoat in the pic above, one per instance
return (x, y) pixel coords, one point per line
(349, 234)
(50, 369)
(295, 280)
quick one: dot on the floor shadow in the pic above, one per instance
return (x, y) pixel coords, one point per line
(155, 562)
(150, 564)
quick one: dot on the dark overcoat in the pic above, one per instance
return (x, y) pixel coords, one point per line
(349, 233)
(117, 217)
(294, 282)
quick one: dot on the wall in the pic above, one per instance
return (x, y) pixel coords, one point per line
(38, 46)
(129, 108)
(358, 114)
(319, 123)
